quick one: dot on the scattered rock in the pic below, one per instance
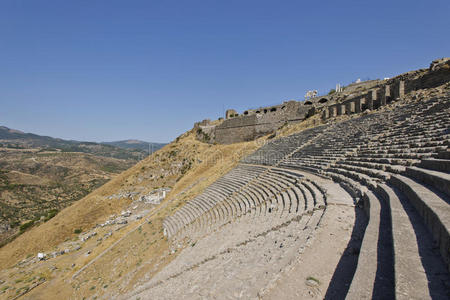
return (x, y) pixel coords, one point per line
(126, 214)
(88, 236)
(122, 221)
(313, 282)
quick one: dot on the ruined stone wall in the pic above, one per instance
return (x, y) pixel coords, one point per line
(259, 122)
(245, 128)
(392, 89)
(254, 123)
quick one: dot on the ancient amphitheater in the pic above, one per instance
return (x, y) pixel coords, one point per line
(356, 208)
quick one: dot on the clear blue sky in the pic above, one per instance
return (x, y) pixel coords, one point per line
(109, 70)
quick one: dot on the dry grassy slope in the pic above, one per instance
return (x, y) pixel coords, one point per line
(33, 182)
(161, 169)
(141, 256)
(140, 251)
(136, 253)
(132, 256)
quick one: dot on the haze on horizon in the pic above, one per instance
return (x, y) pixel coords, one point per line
(147, 70)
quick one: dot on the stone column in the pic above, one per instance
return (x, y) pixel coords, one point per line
(374, 98)
(363, 101)
(387, 94)
(357, 104)
(371, 96)
(339, 110)
(401, 89)
(350, 107)
(369, 103)
(325, 114)
(333, 111)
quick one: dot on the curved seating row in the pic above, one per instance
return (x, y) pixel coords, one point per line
(399, 162)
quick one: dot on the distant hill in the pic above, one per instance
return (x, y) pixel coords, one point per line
(136, 144)
(15, 139)
(40, 175)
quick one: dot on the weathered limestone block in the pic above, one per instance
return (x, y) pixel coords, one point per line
(371, 97)
(386, 95)
(230, 113)
(357, 103)
(325, 114)
(350, 107)
(363, 103)
(401, 89)
(340, 109)
(333, 111)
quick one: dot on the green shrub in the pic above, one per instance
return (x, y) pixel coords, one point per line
(50, 214)
(26, 225)
(78, 231)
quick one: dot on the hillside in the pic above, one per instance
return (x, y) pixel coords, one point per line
(16, 139)
(35, 185)
(346, 205)
(186, 165)
(136, 144)
(40, 175)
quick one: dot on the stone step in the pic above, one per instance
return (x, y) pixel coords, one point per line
(169, 226)
(402, 150)
(389, 161)
(319, 201)
(307, 197)
(406, 155)
(285, 203)
(301, 201)
(441, 165)
(444, 154)
(287, 173)
(221, 190)
(256, 198)
(278, 180)
(293, 205)
(362, 178)
(287, 179)
(406, 133)
(367, 279)
(261, 190)
(434, 210)
(241, 203)
(436, 179)
(375, 165)
(368, 171)
(425, 146)
(416, 264)
(270, 186)
(260, 196)
(224, 211)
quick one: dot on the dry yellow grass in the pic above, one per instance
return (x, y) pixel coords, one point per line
(123, 264)
(139, 250)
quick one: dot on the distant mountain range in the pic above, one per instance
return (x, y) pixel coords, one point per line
(136, 144)
(128, 149)
(40, 175)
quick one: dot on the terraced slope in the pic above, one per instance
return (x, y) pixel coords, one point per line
(243, 237)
